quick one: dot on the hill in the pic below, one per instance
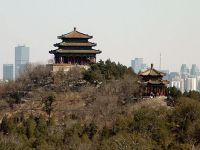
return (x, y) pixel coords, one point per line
(100, 108)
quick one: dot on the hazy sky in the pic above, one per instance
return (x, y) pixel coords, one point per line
(123, 29)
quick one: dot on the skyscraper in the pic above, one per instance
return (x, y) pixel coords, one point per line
(184, 70)
(194, 70)
(8, 72)
(138, 65)
(191, 84)
(21, 59)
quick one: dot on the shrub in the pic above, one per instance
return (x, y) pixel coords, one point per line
(103, 71)
(150, 122)
(30, 127)
(8, 126)
(186, 112)
(172, 95)
(192, 94)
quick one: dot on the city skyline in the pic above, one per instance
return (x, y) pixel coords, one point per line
(145, 28)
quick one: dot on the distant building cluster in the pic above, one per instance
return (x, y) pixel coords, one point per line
(11, 71)
(138, 65)
(188, 79)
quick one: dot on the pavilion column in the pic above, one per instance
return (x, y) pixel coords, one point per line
(60, 60)
(78, 60)
(93, 59)
(82, 61)
(73, 60)
(70, 60)
(146, 90)
(163, 91)
(157, 91)
(56, 60)
(64, 59)
(160, 91)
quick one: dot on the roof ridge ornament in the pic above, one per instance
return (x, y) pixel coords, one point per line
(152, 66)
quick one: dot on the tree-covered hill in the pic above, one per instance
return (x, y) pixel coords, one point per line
(96, 109)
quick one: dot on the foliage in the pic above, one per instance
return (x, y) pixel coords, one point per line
(88, 115)
(103, 71)
(48, 100)
(172, 95)
(192, 94)
(30, 127)
(186, 113)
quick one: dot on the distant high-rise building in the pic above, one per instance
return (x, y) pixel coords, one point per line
(138, 65)
(194, 70)
(184, 70)
(191, 84)
(198, 83)
(21, 59)
(8, 72)
(167, 74)
(182, 86)
(173, 75)
(178, 83)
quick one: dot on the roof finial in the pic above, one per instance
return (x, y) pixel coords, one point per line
(74, 28)
(151, 66)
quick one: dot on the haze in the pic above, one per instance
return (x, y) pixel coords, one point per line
(123, 29)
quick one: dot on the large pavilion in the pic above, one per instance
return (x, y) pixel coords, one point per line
(74, 50)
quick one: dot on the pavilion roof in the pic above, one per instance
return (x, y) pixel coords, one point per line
(75, 44)
(92, 51)
(157, 82)
(75, 34)
(151, 72)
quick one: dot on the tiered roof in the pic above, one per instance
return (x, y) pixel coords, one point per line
(75, 42)
(152, 72)
(157, 82)
(75, 34)
(153, 76)
(75, 51)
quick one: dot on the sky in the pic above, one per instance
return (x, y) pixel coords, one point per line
(123, 29)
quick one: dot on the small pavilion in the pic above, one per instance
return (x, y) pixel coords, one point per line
(153, 82)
